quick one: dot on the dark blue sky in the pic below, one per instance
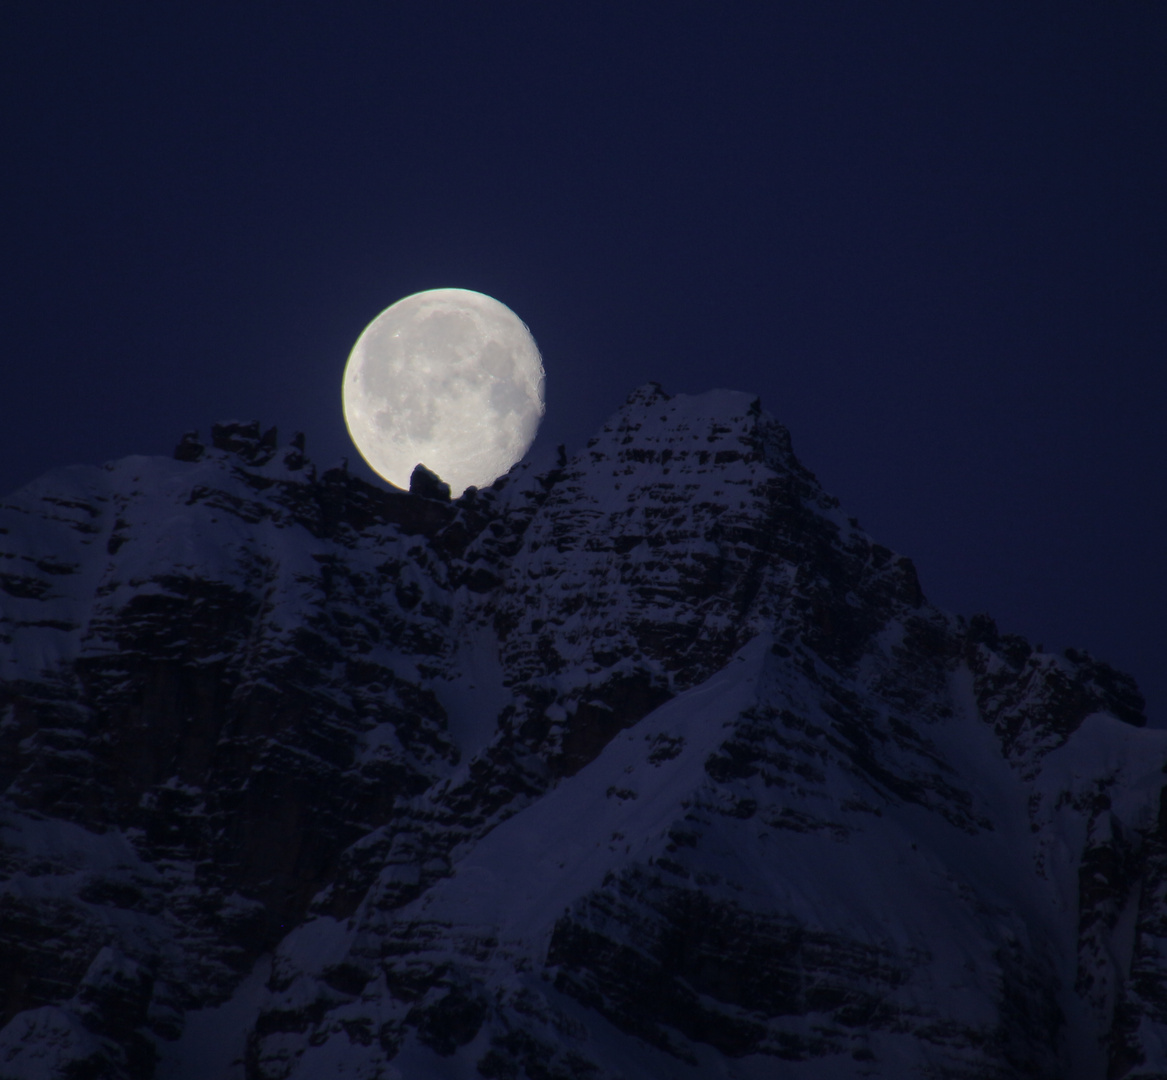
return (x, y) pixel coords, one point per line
(933, 238)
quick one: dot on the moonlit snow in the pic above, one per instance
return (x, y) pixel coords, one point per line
(450, 379)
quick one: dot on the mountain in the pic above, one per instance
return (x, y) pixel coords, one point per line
(653, 765)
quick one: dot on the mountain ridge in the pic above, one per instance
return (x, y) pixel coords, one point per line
(257, 715)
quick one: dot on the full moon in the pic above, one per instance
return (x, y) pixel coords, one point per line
(449, 379)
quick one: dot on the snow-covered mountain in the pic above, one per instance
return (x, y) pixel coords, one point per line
(650, 766)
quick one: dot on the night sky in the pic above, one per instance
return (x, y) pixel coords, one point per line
(932, 237)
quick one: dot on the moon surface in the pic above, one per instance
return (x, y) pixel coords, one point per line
(448, 378)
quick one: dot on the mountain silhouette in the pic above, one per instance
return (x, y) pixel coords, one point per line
(653, 765)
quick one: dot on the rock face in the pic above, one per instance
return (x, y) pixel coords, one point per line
(650, 766)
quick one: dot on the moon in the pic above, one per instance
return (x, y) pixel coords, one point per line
(447, 378)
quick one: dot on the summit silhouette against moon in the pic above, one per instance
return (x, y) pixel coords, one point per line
(448, 378)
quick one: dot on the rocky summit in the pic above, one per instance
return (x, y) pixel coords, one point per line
(650, 766)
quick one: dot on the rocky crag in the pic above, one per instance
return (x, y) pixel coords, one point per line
(653, 765)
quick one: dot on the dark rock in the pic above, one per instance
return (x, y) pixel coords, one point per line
(450, 1021)
(428, 485)
(244, 439)
(189, 448)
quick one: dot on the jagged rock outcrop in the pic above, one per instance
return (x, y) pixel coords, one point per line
(651, 765)
(428, 484)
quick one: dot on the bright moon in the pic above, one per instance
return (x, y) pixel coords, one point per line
(450, 379)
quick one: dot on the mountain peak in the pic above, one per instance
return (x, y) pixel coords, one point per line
(647, 763)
